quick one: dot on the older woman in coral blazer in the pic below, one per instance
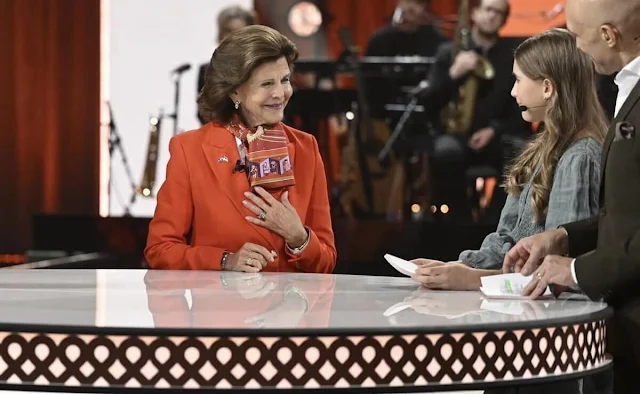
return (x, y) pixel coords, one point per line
(250, 191)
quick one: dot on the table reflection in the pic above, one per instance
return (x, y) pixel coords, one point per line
(472, 307)
(241, 300)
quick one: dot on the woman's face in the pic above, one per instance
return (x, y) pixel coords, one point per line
(531, 94)
(265, 95)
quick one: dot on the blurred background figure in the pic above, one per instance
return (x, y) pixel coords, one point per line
(229, 19)
(411, 32)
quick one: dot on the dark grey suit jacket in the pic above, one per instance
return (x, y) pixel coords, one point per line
(607, 246)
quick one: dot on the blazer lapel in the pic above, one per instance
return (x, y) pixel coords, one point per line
(217, 146)
(293, 197)
(629, 103)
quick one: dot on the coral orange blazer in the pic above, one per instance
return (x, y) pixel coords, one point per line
(202, 196)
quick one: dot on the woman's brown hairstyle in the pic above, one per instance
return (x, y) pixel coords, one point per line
(233, 63)
(573, 111)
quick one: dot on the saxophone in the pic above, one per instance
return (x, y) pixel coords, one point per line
(457, 116)
(149, 175)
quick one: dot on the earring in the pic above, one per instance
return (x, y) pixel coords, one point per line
(237, 104)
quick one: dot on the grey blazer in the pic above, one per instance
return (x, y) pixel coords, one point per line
(574, 196)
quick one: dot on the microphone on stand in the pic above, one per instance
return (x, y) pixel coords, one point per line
(421, 87)
(182, 68)
(176, 74)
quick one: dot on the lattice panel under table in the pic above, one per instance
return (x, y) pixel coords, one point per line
(318, 361)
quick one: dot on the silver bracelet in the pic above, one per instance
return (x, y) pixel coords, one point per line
(223, 262)
(300, 248)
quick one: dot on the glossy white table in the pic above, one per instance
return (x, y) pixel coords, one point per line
(136, 330)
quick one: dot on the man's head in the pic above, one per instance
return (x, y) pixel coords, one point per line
(606, 30)
(411, 14)
(233, 18)
(489, 16)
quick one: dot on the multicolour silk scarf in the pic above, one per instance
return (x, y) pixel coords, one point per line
(267, 160)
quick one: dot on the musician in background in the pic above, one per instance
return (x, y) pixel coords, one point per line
(229, 20)
(409, 34)
(496, 124)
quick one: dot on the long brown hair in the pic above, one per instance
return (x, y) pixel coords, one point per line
(573, 111)
(233, 63)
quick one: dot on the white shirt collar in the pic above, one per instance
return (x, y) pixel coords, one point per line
(626, 80)
(630, 70)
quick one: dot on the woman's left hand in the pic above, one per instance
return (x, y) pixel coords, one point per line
(278, 216)
(453, 275)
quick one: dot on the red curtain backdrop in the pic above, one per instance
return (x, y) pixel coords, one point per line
(49, 112)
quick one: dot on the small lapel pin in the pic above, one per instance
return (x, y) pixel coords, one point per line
(625, 131)
(223, 159)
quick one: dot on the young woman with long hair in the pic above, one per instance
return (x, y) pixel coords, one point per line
(556, 178)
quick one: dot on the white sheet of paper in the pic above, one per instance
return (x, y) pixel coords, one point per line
(403, 266)
(507, 286)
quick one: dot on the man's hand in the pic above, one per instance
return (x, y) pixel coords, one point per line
(554, 270)
(481, 138)
(464, 63)
(525, 256)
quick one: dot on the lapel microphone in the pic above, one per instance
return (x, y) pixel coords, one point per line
(239, 167)
(524, 108)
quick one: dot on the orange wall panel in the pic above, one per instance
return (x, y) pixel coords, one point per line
(530, 17)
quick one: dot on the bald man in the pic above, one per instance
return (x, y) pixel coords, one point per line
(602, 254)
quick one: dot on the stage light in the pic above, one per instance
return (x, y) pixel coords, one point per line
(444, 208)
(305, 19)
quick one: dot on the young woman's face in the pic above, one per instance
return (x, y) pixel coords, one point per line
(529, 93)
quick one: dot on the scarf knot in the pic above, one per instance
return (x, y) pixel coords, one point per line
(267, 160)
